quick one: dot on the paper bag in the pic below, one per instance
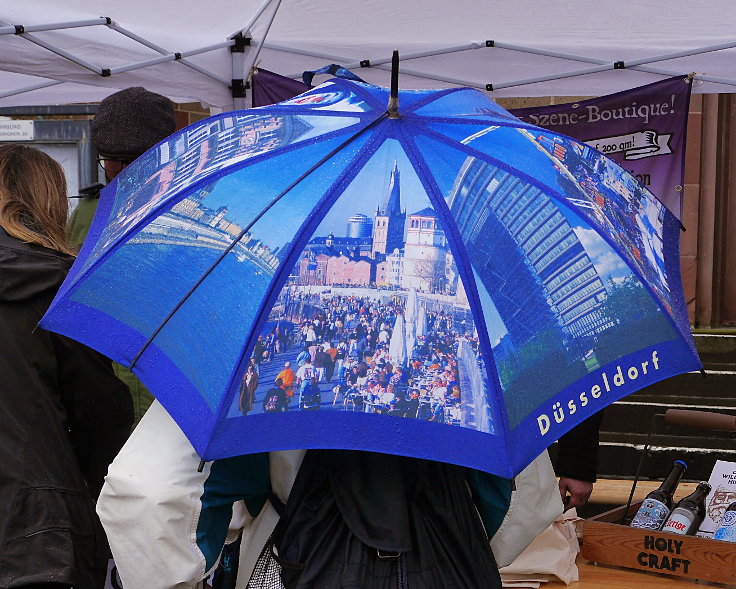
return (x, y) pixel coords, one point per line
(552, 552)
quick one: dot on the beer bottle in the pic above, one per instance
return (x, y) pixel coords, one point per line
(657, 504)
(689, 513)
(726, 530)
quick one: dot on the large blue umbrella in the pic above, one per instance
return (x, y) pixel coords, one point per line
(549, 276)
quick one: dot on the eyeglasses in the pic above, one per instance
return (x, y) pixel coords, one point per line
(111, 162)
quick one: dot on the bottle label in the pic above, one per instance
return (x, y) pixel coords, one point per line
(727, 528)
(679, 522)
(651, 515)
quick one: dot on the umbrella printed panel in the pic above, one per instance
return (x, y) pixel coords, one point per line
(468, 287)
(378, 258)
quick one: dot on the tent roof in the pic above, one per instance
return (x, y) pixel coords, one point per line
(440, 45)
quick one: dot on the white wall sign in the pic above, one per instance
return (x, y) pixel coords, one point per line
(11, 130)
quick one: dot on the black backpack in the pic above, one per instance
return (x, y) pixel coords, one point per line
(361, 520)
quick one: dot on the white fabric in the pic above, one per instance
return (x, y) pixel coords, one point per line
(397, 348)
(150, 505)
(151, 498)
(535, 504)
(354, 30)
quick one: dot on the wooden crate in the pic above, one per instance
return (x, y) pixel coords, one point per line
(607, 540)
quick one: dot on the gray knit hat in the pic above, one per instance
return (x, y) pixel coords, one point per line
(131, 121)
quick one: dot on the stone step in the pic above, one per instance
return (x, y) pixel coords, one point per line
(715, 383)
(627, 422)
(620, 459)
(635, 416)
(716, 351)
(668, 439)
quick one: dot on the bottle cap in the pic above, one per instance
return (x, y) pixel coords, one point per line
(684, 464)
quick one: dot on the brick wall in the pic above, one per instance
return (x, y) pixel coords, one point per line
(188, 113)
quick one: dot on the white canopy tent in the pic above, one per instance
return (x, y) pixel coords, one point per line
(57, 52)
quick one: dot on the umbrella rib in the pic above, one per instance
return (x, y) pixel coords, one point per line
(464, 266)
(511, 121)
(245, 230)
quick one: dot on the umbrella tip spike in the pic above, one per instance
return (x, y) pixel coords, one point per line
(393, 101)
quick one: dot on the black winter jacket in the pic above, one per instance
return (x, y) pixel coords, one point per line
(63, 418)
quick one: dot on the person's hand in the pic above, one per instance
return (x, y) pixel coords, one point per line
(574, 493)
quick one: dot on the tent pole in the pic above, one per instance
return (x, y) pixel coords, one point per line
(633, 64)
(163, 59)
(237, 59)
(14, 29)
(349, 62)
(605, 65)
(249, 25)
(572, 74)
(183, 54)
(248, 65)
(532, 50)
(65, 54)
(382, 63)
(240, 71)
(56, 50)
(668, 56)
(665, 72)
(125, 32)
(30, 88)
(141, 64)
(638, 65)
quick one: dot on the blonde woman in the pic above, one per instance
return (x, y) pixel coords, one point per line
(63, 413)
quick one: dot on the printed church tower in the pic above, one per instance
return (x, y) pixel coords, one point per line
(388, 225)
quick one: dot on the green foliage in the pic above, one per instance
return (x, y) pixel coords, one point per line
(541, 368)
(638, 322)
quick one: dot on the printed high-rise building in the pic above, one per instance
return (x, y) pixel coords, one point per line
(359, 225)
(554, 280)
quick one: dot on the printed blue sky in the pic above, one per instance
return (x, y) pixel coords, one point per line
(607, 262)
(363, 195)
(494, 323)
(369, 189)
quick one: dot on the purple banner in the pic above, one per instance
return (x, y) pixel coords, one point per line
(643, 130)
(269, 88)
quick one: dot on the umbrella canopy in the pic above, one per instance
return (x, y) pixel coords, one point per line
(397, 345)
(421, 329)
(566, 267)
(411, 306)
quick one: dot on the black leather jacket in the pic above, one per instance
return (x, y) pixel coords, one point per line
(63, 418)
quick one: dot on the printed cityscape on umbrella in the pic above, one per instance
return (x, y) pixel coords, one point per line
(470, 294)
(378, 291)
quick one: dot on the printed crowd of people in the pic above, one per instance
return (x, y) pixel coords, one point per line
(344, 361)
